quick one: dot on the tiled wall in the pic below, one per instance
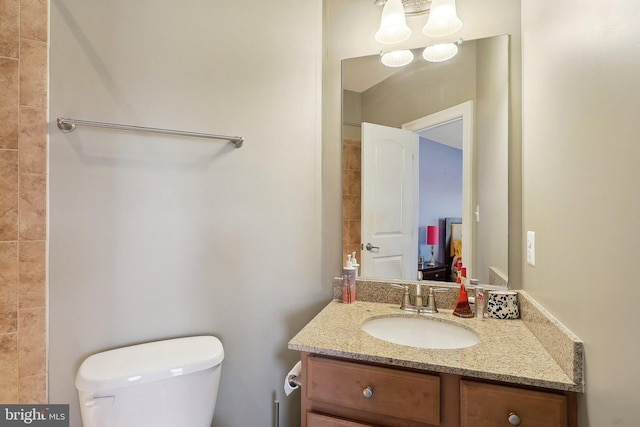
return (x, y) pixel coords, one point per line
(351, 198)
(23, 186)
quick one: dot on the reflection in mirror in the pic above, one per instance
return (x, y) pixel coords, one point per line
(398, 98)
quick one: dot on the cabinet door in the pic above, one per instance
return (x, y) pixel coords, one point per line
(490, 405)
(320, 420)
(391, 392)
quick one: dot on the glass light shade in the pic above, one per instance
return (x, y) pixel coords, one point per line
(443, 19)
(393, 25)
(397, 58)
(440, 52)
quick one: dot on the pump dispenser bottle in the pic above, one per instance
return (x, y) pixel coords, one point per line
(354, 263)
(348, 282)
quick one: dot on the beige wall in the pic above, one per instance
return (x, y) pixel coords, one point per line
(426, 88)
(492, 159)
(155, 236)
(23, 183)
(581, 162)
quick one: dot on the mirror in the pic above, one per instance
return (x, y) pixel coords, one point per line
(402, 97)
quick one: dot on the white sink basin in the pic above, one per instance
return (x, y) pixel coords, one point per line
(420, 332)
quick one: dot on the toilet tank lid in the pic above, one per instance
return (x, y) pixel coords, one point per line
(153, 361)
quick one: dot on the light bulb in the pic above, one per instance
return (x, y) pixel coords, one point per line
(393, 25)
(443, 19)
(397, 58)
(440, 52)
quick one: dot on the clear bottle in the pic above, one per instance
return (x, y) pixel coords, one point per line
(479, 301)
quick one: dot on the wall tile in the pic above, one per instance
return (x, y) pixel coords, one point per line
(33, 214)
(33, 389)
(32, 140)
(33, 73)
(9, 82)
(32, 290)
(351, 182)
(9, 27)
(8, 195)
(351, 154)
(351, 198)
(32, 341)
(9, 368)
(8, 287)
(33, 19)
(23, 140)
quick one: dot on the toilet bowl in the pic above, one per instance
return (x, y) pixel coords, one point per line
(168, 383)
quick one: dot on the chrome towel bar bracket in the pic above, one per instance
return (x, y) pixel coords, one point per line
(69, 125)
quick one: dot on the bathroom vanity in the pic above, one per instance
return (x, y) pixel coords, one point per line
(340, 392)
(518, 374)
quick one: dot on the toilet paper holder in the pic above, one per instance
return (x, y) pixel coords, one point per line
(294, 380)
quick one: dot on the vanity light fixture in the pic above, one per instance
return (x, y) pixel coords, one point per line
(393, 25)
(440, 52)
(396, 58)
(411, 7)
(443, 19)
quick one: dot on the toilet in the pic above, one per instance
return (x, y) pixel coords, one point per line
(170, 383)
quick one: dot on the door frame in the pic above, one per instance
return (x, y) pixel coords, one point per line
(464, 111)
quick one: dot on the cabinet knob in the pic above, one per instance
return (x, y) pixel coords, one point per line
(514, 419)
(368, 392)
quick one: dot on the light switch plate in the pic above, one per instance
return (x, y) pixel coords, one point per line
(531, 248)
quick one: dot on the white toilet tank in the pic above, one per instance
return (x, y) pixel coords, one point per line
(171, 383)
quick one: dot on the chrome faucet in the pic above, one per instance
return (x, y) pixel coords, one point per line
(431, 307)
(418, 306)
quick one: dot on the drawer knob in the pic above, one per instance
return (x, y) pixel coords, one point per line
(368, 392)
(514, 419)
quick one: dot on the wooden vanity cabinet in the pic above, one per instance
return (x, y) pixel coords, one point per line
(342, 393)
(487, 405)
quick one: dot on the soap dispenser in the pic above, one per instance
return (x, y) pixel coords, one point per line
(348, 282)
(354, 263)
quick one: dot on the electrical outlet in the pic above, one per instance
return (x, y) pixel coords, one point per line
(531, 248)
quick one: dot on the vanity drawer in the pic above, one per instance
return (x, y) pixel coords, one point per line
(488, 405)
(321, 420)
(385, 391)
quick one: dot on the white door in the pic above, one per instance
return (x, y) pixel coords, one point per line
(389, 194)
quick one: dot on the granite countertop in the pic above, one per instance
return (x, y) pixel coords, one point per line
(508, 351)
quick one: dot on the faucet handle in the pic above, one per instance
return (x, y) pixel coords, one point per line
(406, 303)
(432, 306)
